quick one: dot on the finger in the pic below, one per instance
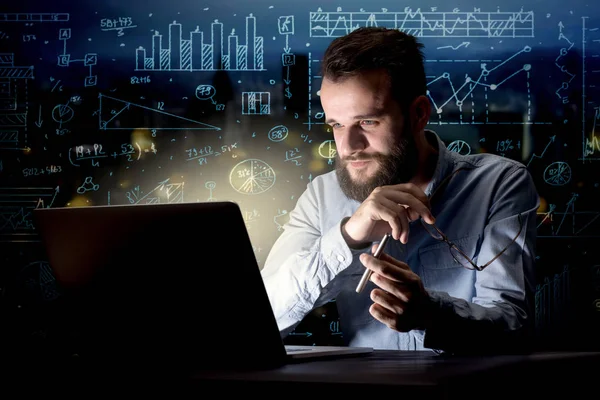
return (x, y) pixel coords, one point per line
(414, 190)
(410, 196)
(374, 249)
(385, 316)
(397, 289)
(412, 214)
(390, 268)
(387, 258)
(386, 300)
(390, 212)
(402, 219)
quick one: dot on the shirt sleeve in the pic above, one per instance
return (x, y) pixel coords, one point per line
(303, 268)
(500, 317)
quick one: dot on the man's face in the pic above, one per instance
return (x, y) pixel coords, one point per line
(375, 146)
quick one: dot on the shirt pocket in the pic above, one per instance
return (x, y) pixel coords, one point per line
(441, 272)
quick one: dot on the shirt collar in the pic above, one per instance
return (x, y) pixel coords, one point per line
(445, 162)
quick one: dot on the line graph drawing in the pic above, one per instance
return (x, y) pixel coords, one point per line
(535, 156)
(117, 114)
(519, 24)
(591, 144)
(463, 44)
(475, 92)
(16, 207)
(570, 206)
(547, 215)
(590, 80)
(468, 96)
(568, 223)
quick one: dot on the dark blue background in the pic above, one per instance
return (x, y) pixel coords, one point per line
(542, 111)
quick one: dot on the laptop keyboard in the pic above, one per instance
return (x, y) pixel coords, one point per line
(291, 349)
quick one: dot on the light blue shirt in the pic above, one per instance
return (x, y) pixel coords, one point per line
(310, 263)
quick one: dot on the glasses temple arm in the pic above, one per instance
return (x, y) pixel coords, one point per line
(507, 246)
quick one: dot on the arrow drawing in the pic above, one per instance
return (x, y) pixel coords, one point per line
(552, 139)
(39, 122)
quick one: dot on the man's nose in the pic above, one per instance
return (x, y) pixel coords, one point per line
(351, 141)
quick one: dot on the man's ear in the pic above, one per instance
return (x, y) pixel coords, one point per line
(419, 111)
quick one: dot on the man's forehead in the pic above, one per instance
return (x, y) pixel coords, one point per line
(365, 78)
(365, 101)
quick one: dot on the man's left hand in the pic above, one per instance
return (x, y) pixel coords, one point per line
(400, 302)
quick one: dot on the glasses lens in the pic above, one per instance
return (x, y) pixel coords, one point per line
(460, 258)
(432, 230)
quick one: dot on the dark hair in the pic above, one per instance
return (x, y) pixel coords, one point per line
(372, 48)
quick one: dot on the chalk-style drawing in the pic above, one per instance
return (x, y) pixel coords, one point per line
(16, 211)
(557, 174)
(517, 24)
(13, 100)
(88, 185)
(117, 114)
(252, 176)
(200, 52)
(256, 103)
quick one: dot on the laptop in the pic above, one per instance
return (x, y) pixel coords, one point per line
(166, 284)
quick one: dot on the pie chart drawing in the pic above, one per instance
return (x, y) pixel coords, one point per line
(252, 176)
(327, 149)
(460, 147)
(557, 174)
(62, 113)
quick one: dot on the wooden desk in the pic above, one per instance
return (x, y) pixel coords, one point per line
(417, 373)
(544, 375)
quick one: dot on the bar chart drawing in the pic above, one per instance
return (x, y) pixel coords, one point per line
(14, 103)
(256, 103)
(203, 51)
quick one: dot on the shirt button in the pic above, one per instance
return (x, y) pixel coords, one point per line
(340, 258)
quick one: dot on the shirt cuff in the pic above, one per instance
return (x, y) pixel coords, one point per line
(437, 335)
(337, 254)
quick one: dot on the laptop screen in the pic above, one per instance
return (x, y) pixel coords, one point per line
(163, 281)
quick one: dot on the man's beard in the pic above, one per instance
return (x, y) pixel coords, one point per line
(397, 167)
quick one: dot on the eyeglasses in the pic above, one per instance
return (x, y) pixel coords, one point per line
(460, 256)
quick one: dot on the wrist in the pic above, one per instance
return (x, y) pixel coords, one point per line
(427, 312)
(353, 244)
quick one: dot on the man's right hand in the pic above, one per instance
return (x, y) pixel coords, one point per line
(388, 208)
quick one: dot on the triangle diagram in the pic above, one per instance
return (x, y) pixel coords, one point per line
(117, 114)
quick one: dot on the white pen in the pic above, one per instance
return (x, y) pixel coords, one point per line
(367, 275)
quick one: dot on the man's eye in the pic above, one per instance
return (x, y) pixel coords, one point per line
(335, 125)
(368, 122)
